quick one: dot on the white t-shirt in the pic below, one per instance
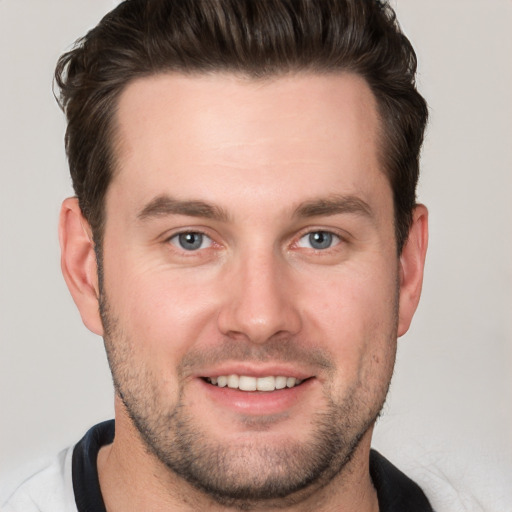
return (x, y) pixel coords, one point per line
(49, 489)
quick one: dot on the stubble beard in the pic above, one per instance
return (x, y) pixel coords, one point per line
(242, 475)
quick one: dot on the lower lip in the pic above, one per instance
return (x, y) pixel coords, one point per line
(257, 403)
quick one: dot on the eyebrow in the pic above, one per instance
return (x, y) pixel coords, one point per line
(333, 205)
(164, 205)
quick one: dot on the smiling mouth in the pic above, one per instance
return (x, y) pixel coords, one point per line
(248, 383)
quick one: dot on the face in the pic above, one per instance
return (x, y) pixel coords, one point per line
(250, 290)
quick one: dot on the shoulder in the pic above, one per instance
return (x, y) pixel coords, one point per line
(46, 488)
(455, 481)
(57, 484)
(482, 482)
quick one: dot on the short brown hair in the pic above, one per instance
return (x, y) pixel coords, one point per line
(257, 38)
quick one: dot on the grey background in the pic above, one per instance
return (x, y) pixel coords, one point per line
(450, 405)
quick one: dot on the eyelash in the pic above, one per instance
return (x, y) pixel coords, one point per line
(176, 236)
(335, 240)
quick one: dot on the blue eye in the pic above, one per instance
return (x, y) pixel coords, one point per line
(319, 240)
(191, 241)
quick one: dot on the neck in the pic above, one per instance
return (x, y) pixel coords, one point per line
(132, 478)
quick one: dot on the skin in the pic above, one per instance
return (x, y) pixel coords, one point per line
(256, 167)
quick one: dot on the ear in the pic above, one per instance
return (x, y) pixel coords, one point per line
(78, 263)
(412, 263)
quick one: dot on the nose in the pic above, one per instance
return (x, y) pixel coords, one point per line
(260, 302)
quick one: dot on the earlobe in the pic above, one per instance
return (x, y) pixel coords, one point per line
(78, 263)
(412, 263)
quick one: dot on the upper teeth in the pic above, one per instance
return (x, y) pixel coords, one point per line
(246, 383)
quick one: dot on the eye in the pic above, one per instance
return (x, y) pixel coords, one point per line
(191, 241)
(319, 240)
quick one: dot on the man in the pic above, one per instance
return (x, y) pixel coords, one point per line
(246, 239)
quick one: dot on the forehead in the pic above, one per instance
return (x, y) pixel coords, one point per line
(195, 135)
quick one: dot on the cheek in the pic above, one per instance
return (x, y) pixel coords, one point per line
(164, 311)
(354, 312)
